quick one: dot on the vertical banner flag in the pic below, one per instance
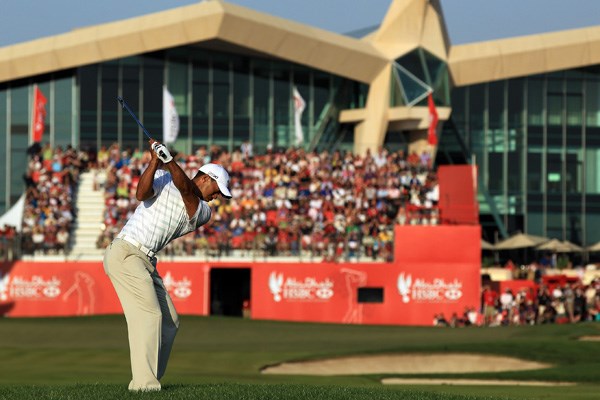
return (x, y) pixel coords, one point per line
(170, 117)
(39, 115)
(433, 120)
(299, 105)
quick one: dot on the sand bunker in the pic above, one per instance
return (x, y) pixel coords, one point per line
(476, 382)
(590, 338)
(405, 364)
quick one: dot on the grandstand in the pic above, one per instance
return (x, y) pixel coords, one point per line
(287, 204)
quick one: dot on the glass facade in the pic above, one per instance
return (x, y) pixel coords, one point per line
(536, 142)
(222, 99)
(413, 74)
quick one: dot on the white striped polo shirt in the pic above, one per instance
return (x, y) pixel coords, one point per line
(163, 217)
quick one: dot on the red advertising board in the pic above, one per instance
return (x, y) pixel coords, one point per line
(458, 194)
(82, 288)
(436, 270)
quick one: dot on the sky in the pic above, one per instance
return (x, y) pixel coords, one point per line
(466, 20)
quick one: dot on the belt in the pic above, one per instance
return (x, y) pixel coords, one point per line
(137, 244)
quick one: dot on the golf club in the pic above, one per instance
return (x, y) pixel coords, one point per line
(126, 106)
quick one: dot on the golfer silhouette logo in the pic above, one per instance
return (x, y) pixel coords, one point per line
(276, 285)
(404, 284)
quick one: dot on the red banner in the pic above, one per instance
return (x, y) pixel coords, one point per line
(82, 288)
(39, 115)
(436, 270)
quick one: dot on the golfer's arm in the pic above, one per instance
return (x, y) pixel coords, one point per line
(144, 189)
(189, 192)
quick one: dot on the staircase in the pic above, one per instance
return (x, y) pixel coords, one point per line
(90, 207)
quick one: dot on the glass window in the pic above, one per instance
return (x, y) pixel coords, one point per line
(574, 211)
(534, 172)
(592, 100)
(220, 93)
(535, 223)
(555, 109)
(574, 165)
(88, 103)
(241, 101)
(200, 101)
(153, 77)
(177, 84)
(574, 109)
(496, 105)
(130, 85)
(282, 100)
(515, 172)
(476, 106)
(412, 62)
(495, 172)
(19, 140)
(592, 233)
(3, 135)
(110, 107)
(220, 75)
(436, 68)
(261, 105)
(554, 178)
(63, 111)
(535, 101)
(592, 171)
(459, 111)
(515, 103)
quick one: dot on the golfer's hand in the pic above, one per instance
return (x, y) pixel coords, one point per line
(162, 152)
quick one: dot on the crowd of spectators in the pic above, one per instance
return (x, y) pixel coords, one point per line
(50, 180)
(544, 303)
(324, 206)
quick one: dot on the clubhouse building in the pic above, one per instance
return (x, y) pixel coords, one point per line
(525, 110)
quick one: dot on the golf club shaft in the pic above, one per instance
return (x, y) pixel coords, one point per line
(126, 106)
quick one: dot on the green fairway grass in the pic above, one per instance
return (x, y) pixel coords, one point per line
(221, 358)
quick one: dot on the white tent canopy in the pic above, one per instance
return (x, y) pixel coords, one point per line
(14, 216)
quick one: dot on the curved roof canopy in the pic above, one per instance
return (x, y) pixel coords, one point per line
(526, 55)
(188, 25)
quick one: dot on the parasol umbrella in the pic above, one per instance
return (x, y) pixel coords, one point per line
(573, 248)
(594, 247)
(555, 246)
(519, 241)
(486, 245)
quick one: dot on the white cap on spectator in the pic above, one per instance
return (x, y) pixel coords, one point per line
(219, 174)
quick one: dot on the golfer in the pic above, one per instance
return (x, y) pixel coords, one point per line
(171, 205)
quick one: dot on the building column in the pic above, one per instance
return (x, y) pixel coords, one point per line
(370, 133)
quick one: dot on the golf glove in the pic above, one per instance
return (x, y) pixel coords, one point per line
(162, 152)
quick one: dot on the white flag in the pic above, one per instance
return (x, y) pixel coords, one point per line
(299, 105)
(170, 117)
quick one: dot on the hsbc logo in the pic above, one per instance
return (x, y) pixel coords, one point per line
(34, 288)
(181, 289)
(4, 280)
(293, 289)
(437, 290)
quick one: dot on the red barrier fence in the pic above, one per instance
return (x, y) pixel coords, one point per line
(436, 270)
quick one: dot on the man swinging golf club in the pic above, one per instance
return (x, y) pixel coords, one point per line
(171, 205)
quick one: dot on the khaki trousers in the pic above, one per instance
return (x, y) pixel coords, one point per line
(152, 321)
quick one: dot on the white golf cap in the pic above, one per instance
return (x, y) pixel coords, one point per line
(219, 174)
